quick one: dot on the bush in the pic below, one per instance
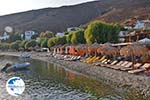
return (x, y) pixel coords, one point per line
(102, 32)
(47, 34)
(23, 44)
(61, 40)
(14, 45)
(44, 42)
(78, 37)
(4, 46)
(31, 43)
(68, 38)
(51, 42)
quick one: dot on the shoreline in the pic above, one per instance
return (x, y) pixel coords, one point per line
(116, 78)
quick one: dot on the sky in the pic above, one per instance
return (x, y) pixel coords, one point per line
(14, 6)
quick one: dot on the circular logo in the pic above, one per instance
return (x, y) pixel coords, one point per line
(15, 86)
(8, 29)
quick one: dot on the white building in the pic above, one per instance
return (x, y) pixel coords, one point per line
(59, 34)
(5, 36)
(73, 29)
(122, 35)
(142, 24)
(29, 34)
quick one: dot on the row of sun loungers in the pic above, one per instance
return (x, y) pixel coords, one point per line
(124, 66)
(67, 57)
(103, 62)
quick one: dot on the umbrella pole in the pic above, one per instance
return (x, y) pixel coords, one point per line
(132, 60)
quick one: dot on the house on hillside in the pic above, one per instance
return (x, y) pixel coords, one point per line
(59, 34)
(28, 35)
(142, 24)
(5, 36)
(72, 29)
(132, 36)
(129, 25)
(138, 25)
(122, 35)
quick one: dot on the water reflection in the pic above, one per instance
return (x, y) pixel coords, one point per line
(45, 81)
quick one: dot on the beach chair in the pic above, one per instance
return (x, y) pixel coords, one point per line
(114, 62)
(107, 61)
(127, 67)
(118, 65)
(95, 60)
(146, 65)
(137, 65)
(103, 61)
(136, 71)
(78, 57)
(141, 69)
(102, 58)
(100, 63)
(125, 63)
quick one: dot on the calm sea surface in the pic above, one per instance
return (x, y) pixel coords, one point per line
(45, 81)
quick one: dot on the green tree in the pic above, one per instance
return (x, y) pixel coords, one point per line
(23, 44)
(44, 42)
(34, 36)
(101, 32)
(51, 42)
(47, 34)
(15, 45)
(61, 40)
(78, 37)
(4, 46)
(31, 43)
(68, 38)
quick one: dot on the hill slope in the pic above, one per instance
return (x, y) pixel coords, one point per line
(58, 19)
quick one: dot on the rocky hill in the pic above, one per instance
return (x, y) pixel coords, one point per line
(58, 19)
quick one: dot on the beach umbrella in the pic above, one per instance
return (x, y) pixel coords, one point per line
(134, 50)
(80, 47)
(108, 50)
(93, 48)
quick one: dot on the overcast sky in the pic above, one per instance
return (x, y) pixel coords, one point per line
(13, 6)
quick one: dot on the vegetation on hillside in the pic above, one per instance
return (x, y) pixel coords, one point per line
(97, 31)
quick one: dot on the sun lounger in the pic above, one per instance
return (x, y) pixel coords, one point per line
(102, 58)
(136, 71)
(107, 62)
(104, 61)
(141, 69)
(117, 66)
(122, 65)
(125, 63)
(128, 65)
(146, 65)
(137, 65)
(100, 63)
(126, 68)
(119, 63)
(78, 57)
(114, 62)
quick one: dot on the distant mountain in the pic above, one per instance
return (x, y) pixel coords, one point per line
(58, 19)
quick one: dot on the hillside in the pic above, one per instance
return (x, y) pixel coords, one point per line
(58, 19)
